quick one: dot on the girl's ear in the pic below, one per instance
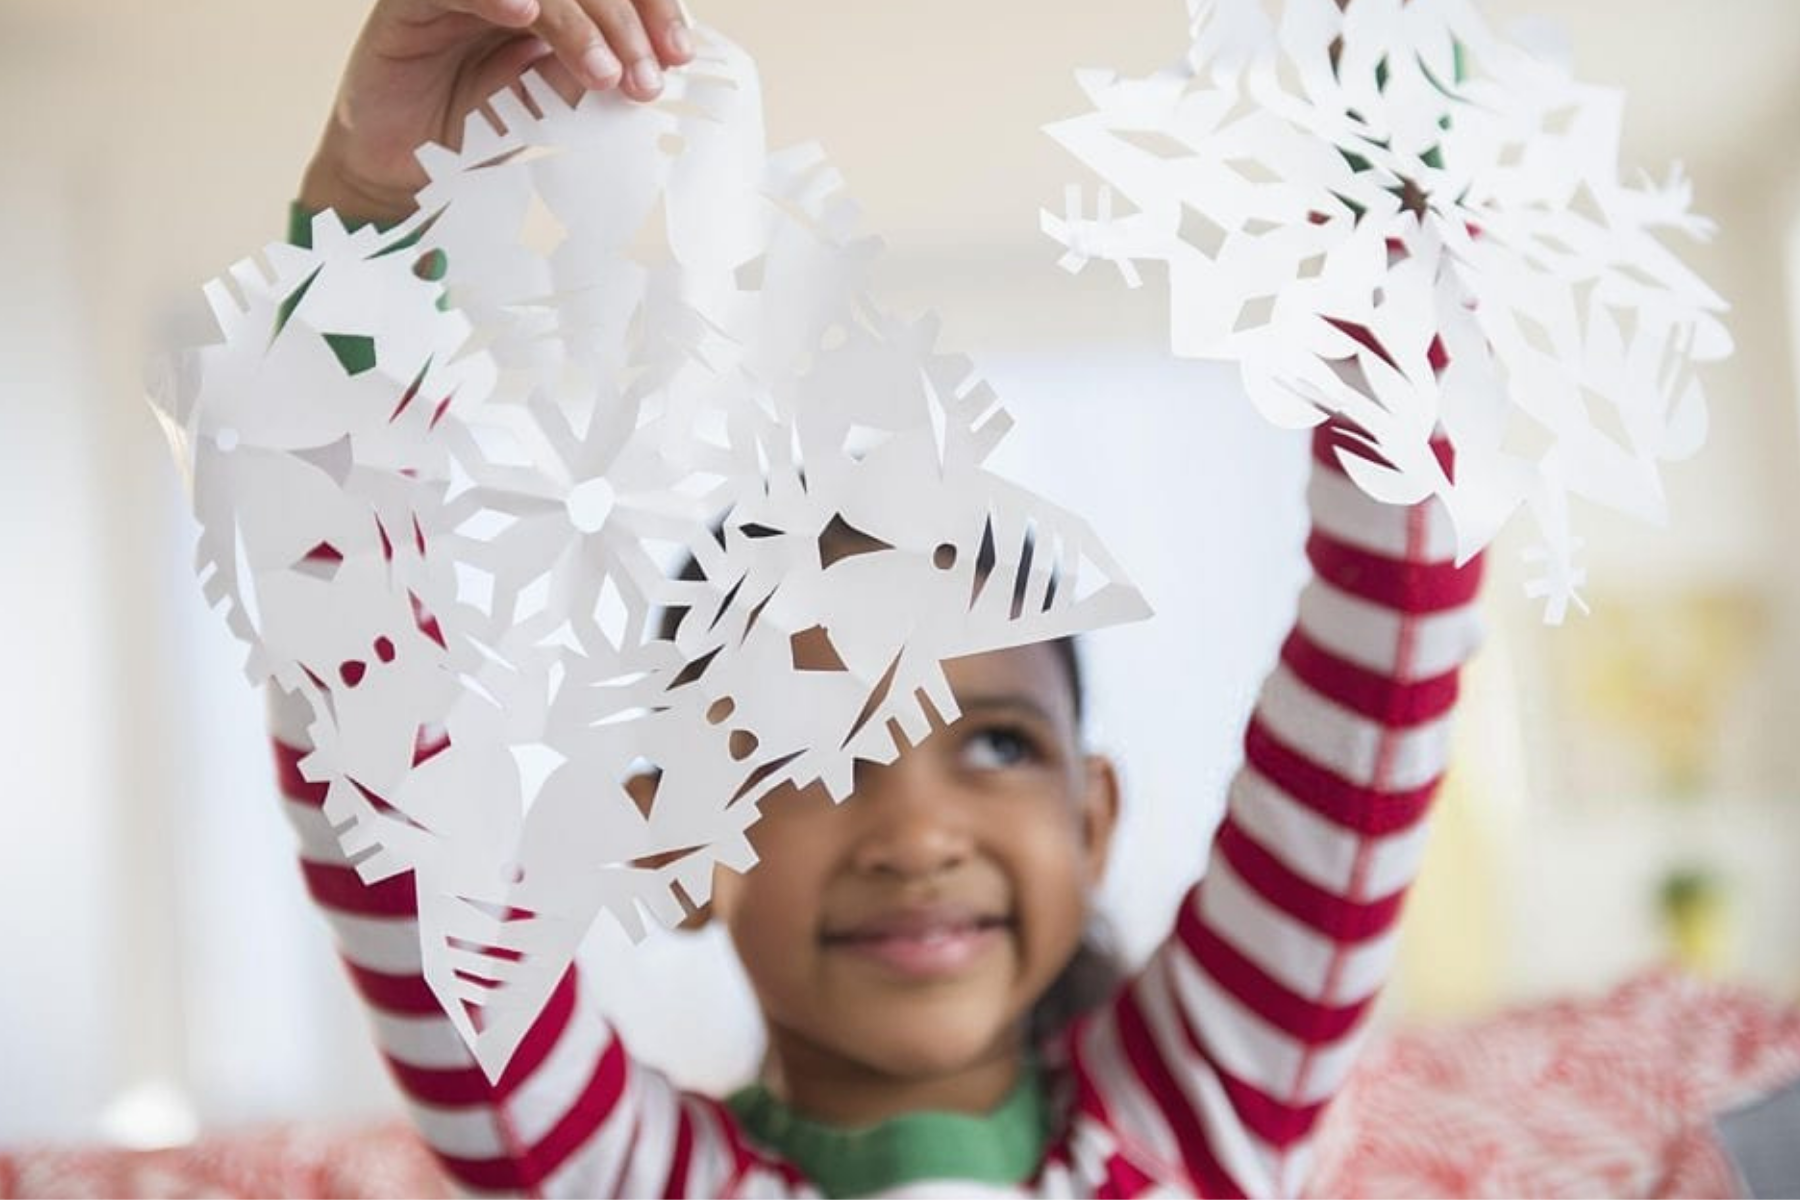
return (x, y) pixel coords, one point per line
(1099, 813)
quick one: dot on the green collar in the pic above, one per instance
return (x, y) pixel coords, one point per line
(1001, 1147)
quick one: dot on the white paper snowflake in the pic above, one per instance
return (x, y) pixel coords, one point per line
(1388, 213)
(454, 528)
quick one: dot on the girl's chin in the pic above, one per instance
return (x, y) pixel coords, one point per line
(934, 1040)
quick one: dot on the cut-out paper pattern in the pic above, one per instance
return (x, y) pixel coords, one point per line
(448, 477)
(1387, 212)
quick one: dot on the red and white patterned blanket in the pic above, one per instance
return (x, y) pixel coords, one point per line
(1612, 1096)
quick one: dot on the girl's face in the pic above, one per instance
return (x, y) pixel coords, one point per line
(908, 932)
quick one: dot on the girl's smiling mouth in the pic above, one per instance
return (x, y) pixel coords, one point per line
(924, 942)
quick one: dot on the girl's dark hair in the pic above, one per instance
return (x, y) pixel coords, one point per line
(1088, 980)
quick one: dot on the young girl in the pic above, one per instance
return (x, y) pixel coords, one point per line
(918, 953)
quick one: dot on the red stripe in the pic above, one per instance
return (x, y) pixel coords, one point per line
(527, 1170)
(342, 890)
(1275, 1122)
(543, 1036)
(293, 785)
(488, 1174)
(1408, 587)
(401, 995)
(1353, 807)
(1372, 694)
(743, 1157)
(676, 1184)
(449, 1087)
(1280, 1125)
(1339, 919)
(1122, 1181)
(1300, 1017)
(443, 1087)
(588, 1113)
(1341, 433)
(1088, 1101)
(1204, 1171)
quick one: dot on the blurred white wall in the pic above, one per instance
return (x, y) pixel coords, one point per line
(144, 871)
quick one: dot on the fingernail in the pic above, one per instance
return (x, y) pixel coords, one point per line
(601, 67)
(680, 41)
(645, 77)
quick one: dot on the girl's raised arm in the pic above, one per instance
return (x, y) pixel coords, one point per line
(574, 1114)
(1221, 1056)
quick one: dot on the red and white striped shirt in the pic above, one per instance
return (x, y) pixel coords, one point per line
(1206, 1074)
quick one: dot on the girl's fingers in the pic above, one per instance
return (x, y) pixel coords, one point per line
(514, 14)
(619, 21)
(562, 81)
(579, 43)
(603, 43)
(505, 66)
(668, 31)
(510, 14)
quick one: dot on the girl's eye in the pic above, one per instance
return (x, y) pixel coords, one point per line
(998, 748)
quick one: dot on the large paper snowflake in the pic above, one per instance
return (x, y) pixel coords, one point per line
(454, 515)
(1386, 212)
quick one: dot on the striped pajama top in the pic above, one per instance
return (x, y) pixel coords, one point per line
(1209, 1070)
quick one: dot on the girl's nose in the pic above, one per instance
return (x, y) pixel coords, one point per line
(911, 848)
(910, 828)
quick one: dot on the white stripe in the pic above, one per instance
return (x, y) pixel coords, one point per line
(1349, 744)
(653, 1149)
(762, 1183)
(386, 944)
(544, 1098)
(599, 1164)
(1134, 1112)
(1300, 957)
(1295, 1170)
(1241, 1041)
(1370, 634)
(1346, 513)
(1317, 849)
(313, 831)
(460, 1132)
(1057, 1181)
(1248, 1046)
(709, 1161)
(1394, 863)
(1244, 1156)
(431, 1042)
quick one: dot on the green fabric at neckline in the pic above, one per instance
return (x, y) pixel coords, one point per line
(1001, 1147)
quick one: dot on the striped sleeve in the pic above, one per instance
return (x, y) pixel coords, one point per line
(572, 1115)
(1222, 1054)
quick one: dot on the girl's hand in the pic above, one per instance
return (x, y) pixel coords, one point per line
(420, 66)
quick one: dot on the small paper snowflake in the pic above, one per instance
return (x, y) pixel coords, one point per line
(1385, 212)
